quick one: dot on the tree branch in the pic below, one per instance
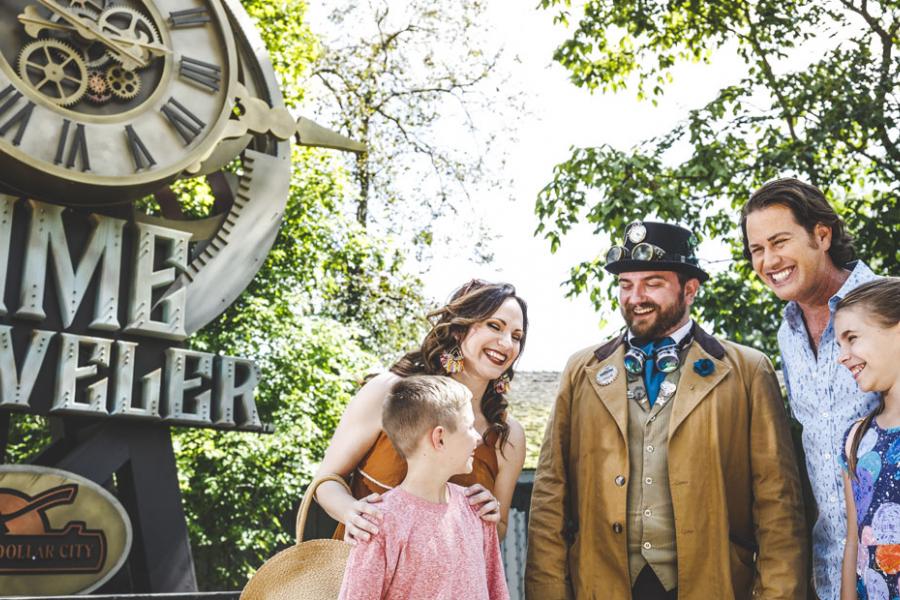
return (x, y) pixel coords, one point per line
(885, 79)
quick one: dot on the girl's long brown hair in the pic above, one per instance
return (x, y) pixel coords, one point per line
(473, 302)
(881, 301)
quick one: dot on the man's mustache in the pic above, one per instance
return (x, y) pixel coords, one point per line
(630, 308)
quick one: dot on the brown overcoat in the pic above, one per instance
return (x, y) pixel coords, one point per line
(732, 475)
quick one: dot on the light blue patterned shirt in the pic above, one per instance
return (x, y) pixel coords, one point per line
(824, 398)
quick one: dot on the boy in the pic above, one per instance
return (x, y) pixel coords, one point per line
(431, 543)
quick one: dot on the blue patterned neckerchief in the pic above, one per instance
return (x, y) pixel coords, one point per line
(653, 377)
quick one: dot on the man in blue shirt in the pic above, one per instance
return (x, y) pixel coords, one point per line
(799, 247)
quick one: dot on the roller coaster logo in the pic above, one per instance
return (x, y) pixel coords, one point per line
(29, 545)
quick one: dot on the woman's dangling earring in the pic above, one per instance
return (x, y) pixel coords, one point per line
(501, 384)
(452, 361)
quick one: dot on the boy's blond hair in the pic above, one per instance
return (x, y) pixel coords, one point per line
(419, 403)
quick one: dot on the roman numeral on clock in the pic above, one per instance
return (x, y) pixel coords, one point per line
(201, 73)
(186, 123)
(142, 157)
(191, 17)
(78, 147)
(9, 97)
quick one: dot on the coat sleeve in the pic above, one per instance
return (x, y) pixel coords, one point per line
(547, 570)
(778, 503)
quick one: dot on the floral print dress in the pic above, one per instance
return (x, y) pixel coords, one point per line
(876, 492)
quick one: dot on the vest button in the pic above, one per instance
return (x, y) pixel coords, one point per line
(617, 527)
(620, 481)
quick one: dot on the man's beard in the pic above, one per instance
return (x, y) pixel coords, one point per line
(664, 319)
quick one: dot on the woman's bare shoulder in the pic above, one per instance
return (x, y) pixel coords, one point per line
(514, 451)
(377, 388)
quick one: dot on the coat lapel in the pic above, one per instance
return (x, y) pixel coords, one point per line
(692, 387)
(612, 395)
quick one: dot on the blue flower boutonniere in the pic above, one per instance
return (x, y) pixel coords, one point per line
(704, 367)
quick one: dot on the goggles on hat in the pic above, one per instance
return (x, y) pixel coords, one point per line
(642, 251)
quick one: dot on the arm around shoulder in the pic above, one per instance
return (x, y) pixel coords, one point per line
(355, 434)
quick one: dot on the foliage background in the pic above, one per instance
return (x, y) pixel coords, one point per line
(817, 101)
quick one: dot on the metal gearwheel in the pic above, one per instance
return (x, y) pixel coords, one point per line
(55, 70)
(122, 83)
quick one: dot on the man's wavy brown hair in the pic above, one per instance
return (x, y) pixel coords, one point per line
(808, 205)
(472, 303)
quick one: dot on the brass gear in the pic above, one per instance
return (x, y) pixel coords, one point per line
(55, 70)
(129, 23)
(98, 88)
(123, 84)
(95, 53)
(94, 6)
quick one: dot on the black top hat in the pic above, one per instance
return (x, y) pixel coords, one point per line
(652, 246)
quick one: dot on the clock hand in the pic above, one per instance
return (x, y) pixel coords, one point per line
(87, 30)
(35, 24)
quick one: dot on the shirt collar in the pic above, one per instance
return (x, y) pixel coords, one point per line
(859, 275)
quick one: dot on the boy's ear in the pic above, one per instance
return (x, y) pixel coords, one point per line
(437, 438)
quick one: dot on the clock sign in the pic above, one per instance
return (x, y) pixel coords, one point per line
(103, 102)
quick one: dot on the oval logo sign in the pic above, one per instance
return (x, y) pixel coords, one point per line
(59, 533)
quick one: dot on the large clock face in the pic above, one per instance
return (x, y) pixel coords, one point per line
(102, 102)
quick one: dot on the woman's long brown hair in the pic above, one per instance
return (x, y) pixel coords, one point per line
(472, 303)
(881, 301)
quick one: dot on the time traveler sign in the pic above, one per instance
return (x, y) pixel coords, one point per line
(65, 336)
(108, 265)
(101, 103)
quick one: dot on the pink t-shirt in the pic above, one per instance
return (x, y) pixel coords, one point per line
(427, 551)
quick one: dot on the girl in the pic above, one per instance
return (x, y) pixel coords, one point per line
(867, 322)
(475, 339)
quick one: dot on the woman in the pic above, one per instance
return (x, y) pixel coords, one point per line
(475, 339)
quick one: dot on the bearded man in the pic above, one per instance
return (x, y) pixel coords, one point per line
(667, 469)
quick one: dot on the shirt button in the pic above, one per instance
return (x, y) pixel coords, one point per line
(620, 481)
(650, 449)
(832, 498)
(647, 546)
(648, 480)
(647, 512)
(617, 527)
(651, 419)
(826, 414)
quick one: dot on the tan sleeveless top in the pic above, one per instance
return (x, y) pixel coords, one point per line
(382, 468)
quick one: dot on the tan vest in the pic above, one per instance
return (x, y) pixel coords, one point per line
(651, 520)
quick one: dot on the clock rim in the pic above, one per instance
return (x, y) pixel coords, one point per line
(118, 184)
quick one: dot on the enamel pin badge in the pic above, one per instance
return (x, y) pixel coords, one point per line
(607, 375)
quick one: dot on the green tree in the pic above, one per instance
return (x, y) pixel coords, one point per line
(425, 85)
(329, 306)
(817, 101)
